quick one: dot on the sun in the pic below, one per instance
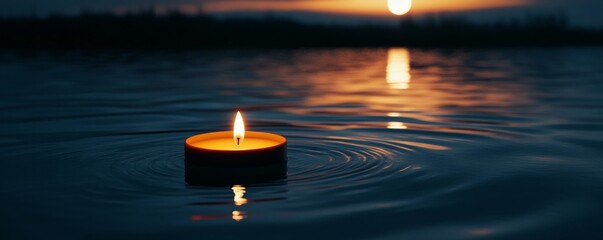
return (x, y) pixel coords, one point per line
(399, 7)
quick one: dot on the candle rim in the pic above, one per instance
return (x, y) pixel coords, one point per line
(280, 140)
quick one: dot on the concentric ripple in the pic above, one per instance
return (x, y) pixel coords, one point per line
(343, 160)
(382, 143)
(134, 164)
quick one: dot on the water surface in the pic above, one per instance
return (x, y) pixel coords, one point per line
(383, 143)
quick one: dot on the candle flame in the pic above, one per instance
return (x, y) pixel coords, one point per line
(239, 129)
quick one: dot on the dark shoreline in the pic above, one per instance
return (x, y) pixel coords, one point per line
(179, 31)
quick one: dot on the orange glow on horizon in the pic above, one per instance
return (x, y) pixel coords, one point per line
(359, 7)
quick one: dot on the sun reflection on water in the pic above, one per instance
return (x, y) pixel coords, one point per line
(398, 68)
(396, 125)
(382, 85)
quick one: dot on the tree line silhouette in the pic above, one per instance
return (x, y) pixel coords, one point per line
(177, 30)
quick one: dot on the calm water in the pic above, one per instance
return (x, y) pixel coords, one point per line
(383, 143)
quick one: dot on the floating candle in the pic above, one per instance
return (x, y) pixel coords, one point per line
(236, 156)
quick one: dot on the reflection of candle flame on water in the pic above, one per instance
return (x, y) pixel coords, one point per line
(239, 200)
(239, 192)
(238, 215)
(398, 68)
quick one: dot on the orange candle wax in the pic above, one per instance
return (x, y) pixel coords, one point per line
(234, 157)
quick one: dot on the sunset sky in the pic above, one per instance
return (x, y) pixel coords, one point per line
(581, 12)
(368, 7)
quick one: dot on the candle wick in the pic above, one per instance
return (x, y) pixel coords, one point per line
(238, 141)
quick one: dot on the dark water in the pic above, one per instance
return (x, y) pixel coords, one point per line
(383, 144)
